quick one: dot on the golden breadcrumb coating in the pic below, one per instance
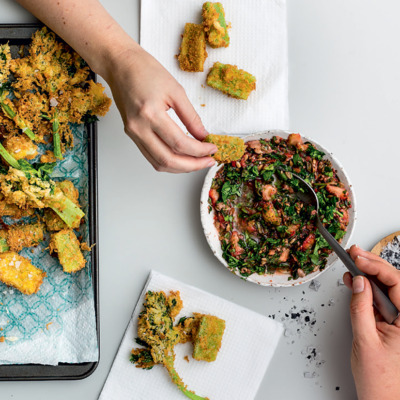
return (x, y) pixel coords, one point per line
(193, 48)
(48, 157)
(231, 80)
(52, 82)
(21, 236)
(5, 59)
(51, 219)
(18, 272)
(20, 147)
(230, 148)
(67, 246)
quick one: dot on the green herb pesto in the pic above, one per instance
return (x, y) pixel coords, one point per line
(263, 227)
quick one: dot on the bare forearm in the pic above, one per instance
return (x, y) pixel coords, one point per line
(87, 28)
(142, 88)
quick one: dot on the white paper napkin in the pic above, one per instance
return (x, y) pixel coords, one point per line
(247, 347)
(258, 45)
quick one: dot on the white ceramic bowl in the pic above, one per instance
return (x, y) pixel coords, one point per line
(277, 279)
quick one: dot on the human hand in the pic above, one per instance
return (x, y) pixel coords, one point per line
(144, 91)
(376, 345)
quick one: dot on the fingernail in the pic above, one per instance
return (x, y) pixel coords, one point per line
(361, 258)
(214, 150)
(358, 284)
(211, 163)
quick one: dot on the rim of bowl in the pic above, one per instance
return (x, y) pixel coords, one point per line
(276, 279)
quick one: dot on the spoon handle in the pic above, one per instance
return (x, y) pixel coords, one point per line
(381, 299)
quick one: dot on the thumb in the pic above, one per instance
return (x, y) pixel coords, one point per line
(361, 310)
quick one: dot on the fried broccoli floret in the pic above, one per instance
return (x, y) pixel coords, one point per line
(156, 331)
(51, 90)
(10, 112)
(33, 188)
(187, 327)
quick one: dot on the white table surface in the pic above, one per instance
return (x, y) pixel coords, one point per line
(344, 92)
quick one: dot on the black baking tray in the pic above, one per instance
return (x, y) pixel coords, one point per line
(16, 35)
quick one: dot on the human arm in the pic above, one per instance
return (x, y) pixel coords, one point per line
(376, 344)
(143, 90)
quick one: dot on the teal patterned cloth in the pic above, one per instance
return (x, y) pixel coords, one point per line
(57, 324)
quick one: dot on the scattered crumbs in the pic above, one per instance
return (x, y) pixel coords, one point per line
(309, 375)
(331, 302)
(313, 357)
(202, 86)
(337, 388)
(2, 339)
(340, 282)
(32, 251)
(391, 252)
(315, 285)
(86, 247)
(47, 325)
(186, 358)
(202, 105)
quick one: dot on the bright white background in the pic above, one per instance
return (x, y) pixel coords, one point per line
(344, 63)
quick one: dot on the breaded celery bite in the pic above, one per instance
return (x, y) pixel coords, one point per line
(231, 80)
(215, 24)
(20, 236)
(18, 272)
(208, 338)
(230, 148)
(67, 246)
(193, 48)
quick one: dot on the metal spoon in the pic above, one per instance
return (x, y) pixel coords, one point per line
(381, 300)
